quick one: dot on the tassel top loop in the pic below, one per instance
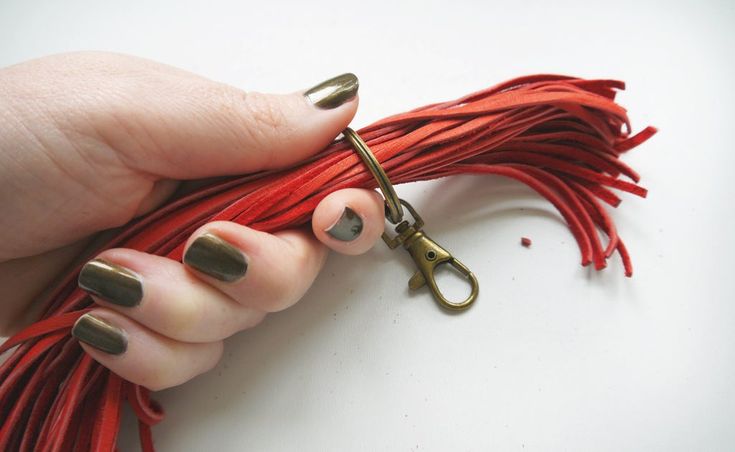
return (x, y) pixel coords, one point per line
(394, 211)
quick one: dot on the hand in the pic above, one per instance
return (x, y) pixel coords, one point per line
(90, 141)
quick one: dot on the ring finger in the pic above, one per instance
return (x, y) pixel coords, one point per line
(160, 294)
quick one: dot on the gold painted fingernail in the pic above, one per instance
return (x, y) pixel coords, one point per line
(348, 227)
(334, 92)
(100, 334)
(214, 257)
(111, 282)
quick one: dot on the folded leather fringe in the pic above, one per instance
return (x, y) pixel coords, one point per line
(561, 136)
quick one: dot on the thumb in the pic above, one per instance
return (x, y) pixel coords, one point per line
(216, 129)
(169, 123)
(95, 138)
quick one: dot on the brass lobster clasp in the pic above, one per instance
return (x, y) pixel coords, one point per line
(424, 251)
(428, 255)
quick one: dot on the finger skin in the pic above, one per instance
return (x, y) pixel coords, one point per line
(166, 121)
(95, 139)
(177, 304)
(22, 283)
(280, 267)
(366, 203)
(98, 138)
(152, 360)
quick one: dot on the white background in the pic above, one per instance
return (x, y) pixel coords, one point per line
(553, 356)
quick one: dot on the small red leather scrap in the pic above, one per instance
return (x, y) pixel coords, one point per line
(561, 136)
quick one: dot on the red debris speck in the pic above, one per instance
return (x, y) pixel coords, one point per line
(525, 241)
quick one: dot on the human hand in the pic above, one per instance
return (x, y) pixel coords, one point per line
(89, 141)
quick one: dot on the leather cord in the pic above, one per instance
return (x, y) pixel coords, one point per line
(561, 136)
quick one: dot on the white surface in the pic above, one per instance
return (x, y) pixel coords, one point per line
(553, 357)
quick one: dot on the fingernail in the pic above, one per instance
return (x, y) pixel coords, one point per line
(100, 334)
(334, 92)
(111, 282)
(214, 257)
(348, 227)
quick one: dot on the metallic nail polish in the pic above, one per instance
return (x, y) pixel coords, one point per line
(348, 227)
(100, 334)
(214, 257)
(111, 282)
(334, 92)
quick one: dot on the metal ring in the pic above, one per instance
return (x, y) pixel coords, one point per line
(394, 211)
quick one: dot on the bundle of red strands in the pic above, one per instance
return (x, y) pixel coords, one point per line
(561, 136)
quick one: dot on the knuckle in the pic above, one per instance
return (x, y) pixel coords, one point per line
(218, 96)
(282, 297)
(215, 352)
(184, 318)
(287, 294)
(265, 114)
(155, 378)
(179, 369)
(264, 120)
(251, 319)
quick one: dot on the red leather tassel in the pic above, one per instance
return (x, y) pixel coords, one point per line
(561, 136)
